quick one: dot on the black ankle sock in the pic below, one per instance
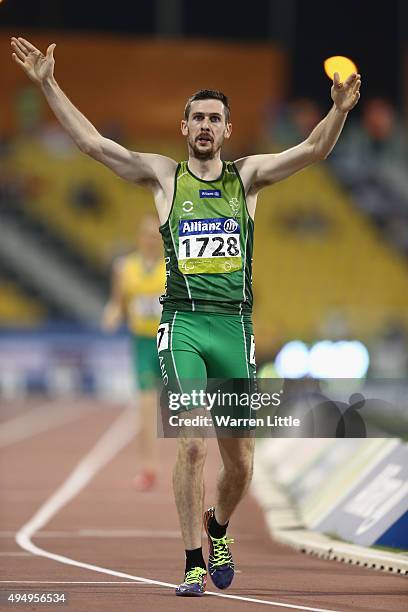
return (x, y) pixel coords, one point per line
(194, 558)
(215, 529)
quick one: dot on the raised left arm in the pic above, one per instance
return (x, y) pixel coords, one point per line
(258, 171)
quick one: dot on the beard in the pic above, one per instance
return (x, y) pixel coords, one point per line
(203, 154)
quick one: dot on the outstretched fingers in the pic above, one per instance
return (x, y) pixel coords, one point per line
(21, 54)
(28, 46)
(17, 45)
(18, 60)
(356, 86)
(350, 80)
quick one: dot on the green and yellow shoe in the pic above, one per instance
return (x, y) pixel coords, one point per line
(220, 563)
(194, 584)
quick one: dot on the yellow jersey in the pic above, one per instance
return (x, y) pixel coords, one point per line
(141, 288)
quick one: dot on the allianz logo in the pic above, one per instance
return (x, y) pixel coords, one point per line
(230, 225)
(209, 225)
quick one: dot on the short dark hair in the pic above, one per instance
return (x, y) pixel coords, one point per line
(208, 94)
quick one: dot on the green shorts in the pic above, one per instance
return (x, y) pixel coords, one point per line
(194, 347)
(145, 362)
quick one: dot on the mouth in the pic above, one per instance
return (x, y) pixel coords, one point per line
(204, 139)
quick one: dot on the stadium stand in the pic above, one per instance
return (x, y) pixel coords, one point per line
(99, 232)
(16, 308)
(309, 233)
(318, 250)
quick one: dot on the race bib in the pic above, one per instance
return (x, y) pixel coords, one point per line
(209, 246)
(252, 351)
(163, 337)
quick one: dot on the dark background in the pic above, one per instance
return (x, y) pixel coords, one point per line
(372, 33)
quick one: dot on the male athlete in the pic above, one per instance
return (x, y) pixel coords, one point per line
(206, 328)
(137, 282)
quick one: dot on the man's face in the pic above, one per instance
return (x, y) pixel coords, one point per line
(206, 128)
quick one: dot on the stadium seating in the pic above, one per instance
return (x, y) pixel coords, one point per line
(16, 308)
(338, 260)
(101, 233)
(313, 249)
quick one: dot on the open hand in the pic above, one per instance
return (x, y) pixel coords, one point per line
(346, 95)
(37, 66)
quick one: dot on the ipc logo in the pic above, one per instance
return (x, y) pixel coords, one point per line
(230, 225)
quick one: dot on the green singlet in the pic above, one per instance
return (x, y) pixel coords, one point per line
(208, 244)
(206, 326)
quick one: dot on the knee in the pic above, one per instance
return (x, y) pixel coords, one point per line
(240, 470)
(194, 451)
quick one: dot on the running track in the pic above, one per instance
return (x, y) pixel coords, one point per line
(70, 521)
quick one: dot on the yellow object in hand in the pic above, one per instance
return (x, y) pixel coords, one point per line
(338, 63)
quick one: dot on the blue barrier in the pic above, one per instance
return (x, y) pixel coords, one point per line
(64, 357)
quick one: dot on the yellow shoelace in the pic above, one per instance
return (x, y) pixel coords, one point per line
(194, 575)
(221, 554)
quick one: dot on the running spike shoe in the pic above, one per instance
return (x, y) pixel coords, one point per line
(194, 584)
(220, 563)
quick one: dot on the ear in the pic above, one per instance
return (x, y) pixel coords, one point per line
(228, 130)
(184, 128)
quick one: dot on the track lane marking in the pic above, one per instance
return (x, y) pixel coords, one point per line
(67, 582)
(115, 438)
(39, 420)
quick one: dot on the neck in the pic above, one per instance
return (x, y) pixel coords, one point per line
(208, 170)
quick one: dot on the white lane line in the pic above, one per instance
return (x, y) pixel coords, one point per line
(39, 420)
(67, 582)
(119, 434)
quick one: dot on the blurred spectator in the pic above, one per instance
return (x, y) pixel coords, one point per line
(371, 159)
(85, 197)
(114, 131)
(30, 111)
(389, 352)
(310, 223)
(295, 122)
(396, 231)
(6, 147)
(56, 141)
(334, 324)
(32, 125)
(12, 185)
(16, 187)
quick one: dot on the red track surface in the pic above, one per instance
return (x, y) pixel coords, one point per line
(33, 468)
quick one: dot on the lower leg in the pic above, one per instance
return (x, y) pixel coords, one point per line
(188, 489)
(234, 477)
(148, 432)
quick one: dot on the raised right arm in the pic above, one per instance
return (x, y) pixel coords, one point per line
(144, 168)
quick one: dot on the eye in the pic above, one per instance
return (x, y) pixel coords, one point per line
(215, 118)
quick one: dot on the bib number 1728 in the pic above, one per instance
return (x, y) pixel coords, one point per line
(209, 246)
